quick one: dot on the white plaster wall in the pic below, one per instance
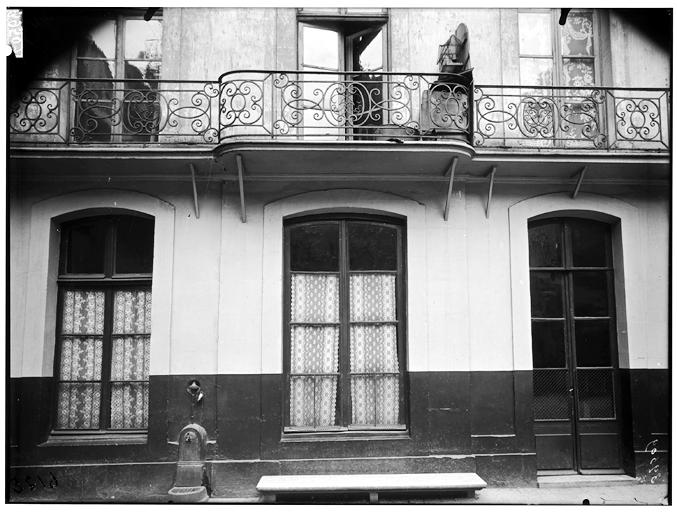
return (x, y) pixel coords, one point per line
(207, 41)
(468, 295)
(17, 258)
(197, 254)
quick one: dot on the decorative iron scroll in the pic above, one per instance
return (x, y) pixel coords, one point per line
(340, 106)
(315, 105)
(116, 111)
(571, 117)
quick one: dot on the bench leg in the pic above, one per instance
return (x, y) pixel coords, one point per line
(373, 497)
(268, 498)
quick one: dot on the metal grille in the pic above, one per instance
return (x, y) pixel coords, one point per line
(595, 394)
(551, 401)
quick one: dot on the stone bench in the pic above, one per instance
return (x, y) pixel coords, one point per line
(271, 486)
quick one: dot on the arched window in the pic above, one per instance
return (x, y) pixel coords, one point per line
(344, 324)
(103, 324)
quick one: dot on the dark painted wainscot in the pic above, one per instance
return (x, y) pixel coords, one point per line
(458, 421)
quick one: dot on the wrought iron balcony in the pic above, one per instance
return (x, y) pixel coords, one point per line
(314, 105)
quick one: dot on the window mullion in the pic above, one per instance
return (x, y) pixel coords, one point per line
(106, 358)
(344, 332)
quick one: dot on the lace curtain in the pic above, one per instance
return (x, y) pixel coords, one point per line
(80, 367)
(374, 364)
(314, 350)
(130, 360)
(373, 350)
(79, 400)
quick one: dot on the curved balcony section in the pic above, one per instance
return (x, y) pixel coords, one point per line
(333, 106)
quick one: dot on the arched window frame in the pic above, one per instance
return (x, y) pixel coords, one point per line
(343, 408)
(107, 285)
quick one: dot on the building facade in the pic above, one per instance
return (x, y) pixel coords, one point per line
(367, 252)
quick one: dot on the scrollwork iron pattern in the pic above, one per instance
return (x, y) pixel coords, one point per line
(571, 117)
(305, 104)
(339, 106)
(117, 111)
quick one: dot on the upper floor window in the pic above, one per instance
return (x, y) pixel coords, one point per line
(124, 47)
(344, 350)
(104, 322)
(552, 54)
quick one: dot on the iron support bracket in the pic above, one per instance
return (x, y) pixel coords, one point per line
(451, 171)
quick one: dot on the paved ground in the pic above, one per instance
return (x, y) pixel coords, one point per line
(609, 495)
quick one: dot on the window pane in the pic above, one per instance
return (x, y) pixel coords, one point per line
(99, 42)
(80, 358)
(131, 312)
(588, 240)
(545, 245)
(78, 406)
(577, 37)
(578, 72)
(592, 343)
(536, 71)
(372, 246)
(131, 358)
(90, 68)
(312, 398)
(314, 298)
(535, 33)
(373, 298)
(546, 294)
(320, 47)
(590, 294)
(143, 39)
(368, 52)
(86, 245)
(547, 341)
(314, 247)
(129, 405)
(134, 245)
(83, 312)
(595, 394)
(141, 69)
(375, 390)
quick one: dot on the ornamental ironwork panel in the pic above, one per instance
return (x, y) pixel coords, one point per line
(344, 106)
(333, 106)
(83, 111)
(571, 117)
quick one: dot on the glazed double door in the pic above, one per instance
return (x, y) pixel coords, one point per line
(575, 377)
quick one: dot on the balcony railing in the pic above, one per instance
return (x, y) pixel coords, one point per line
(315, 105)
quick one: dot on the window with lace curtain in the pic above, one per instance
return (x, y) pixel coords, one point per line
(103, 325)
(344, 329)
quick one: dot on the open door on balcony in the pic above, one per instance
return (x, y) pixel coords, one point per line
(343, 91)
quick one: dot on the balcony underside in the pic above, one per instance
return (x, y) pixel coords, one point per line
(348, 161)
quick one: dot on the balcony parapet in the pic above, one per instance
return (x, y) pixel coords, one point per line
(264, 106)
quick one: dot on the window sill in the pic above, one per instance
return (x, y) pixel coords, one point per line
(95, 438)
(296, 436)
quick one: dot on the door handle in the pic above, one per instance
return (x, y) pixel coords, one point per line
(571, 390)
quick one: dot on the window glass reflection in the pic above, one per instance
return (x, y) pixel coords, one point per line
(321, 48)
(143, 39)
(535, 37)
